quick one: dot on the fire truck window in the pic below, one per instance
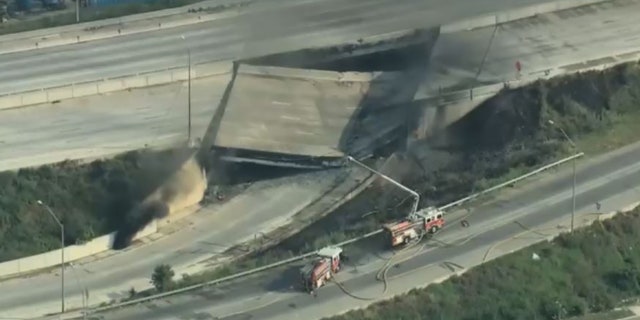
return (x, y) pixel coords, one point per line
(439, 216)
(428, 219)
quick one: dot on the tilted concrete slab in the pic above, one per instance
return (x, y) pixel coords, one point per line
(310, 112)
(545, 45)
(469, 67)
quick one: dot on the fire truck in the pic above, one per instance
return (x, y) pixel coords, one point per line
(426, 221)
(316, 274)
(418, 222)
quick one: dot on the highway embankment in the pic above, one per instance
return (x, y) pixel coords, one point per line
(527, 214)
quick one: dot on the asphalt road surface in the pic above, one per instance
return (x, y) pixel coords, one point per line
(610, 179)
(190, 245)
(261, 30)
(99, 126)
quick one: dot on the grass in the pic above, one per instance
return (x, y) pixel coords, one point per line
(589, 271)
(91, 199)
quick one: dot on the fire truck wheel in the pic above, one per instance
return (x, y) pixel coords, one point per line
(434, 229)
(405, 240)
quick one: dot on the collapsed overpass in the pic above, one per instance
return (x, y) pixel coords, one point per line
(299, 117)
(286, 115)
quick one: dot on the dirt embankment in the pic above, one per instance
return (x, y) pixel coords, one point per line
(507, 135)
(166, 185)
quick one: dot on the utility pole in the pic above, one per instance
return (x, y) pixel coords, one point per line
(77, 11)
(573, 189)
(61, 250)
(415, 195)
(188, 91)
(189, 96)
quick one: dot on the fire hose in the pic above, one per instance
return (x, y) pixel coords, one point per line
(382, 273)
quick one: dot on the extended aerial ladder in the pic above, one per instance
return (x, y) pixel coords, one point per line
(416, 224)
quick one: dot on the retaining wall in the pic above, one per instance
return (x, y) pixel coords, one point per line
(187, 184)
(138, 80)
(71, 253)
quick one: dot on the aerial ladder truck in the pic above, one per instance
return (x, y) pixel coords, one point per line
(417, 223)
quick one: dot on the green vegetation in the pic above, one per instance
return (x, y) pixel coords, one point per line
(162, 279)
(507, 136)
(93, 14)
(91, 200)
(592, 270)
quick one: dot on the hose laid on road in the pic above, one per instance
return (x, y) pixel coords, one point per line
(382, 273)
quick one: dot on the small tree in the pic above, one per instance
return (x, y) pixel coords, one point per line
(162, 277)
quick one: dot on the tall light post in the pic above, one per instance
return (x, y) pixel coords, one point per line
(573, 189)
(188, 91)
(77, 11)
(53, 215)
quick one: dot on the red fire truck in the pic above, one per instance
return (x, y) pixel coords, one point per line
(418, 222)
(426, 221)
(316, 274)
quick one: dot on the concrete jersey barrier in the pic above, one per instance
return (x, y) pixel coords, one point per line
(49, 95)
(106, 28)
(181, 200)
(139, 80)
(71, 253)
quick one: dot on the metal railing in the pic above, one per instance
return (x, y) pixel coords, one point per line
(312, 253)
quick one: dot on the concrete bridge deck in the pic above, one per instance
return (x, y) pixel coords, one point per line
(556, 43)
(318, 113)
(309, 112)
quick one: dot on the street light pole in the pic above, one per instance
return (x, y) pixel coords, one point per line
(188, 92)
(53, 215)
(77, 11)
(573, 189)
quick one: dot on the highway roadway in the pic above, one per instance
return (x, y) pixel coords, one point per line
(104, 125)
(95, 126)
(43, 288)
(190, 245)
(260, 30)
(545, 205)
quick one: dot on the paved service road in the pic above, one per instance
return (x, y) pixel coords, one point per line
(261, 30)
(610, 179)
(189, 245)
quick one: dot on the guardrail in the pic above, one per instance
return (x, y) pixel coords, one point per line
(309, 254)
(17, 267)
(106, 85)
(512, 181)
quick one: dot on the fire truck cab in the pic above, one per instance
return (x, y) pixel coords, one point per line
(316, 274)
(426, 221)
